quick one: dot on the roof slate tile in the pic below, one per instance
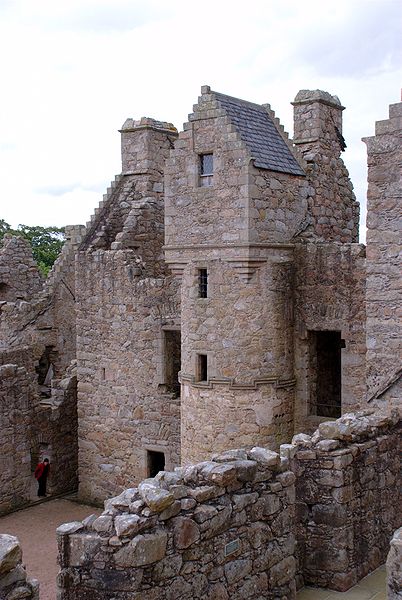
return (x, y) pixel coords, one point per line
(257, 129)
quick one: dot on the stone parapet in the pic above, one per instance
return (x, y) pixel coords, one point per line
(14, 583)
(219, 529)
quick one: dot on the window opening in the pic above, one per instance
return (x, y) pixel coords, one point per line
(206, 169)
(4, 289)
(202, 283)
(45, 371)
(202, 367)
(156, 462)
(172, 359)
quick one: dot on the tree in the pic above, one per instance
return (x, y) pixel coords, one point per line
(46, 242)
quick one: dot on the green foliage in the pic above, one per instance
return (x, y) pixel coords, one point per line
(46, 242)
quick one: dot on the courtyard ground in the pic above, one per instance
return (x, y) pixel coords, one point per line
(36, 526)
(372, 587)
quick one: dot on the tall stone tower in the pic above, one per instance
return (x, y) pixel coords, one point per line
(235, 195)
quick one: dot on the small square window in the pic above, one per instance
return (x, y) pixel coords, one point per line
(202, 283)
(202, 367)
(206, 169)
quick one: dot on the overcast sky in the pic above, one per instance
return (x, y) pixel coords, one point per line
(72, 71)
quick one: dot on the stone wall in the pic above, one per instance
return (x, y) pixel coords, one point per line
(394, 567)
(333, 213)
(55, 433)
(347, 497)
(384, 260)
(245, 331)
(19, 275)
(16, 419)
(14, 583)
(124, 407)
(329, 290)
(227, 528)
(221, 529)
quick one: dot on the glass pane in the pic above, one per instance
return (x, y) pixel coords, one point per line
(207, 164)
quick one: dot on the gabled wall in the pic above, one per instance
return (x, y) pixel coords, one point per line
(384, 262)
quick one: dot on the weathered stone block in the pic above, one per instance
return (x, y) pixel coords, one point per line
(10, 553)
(142, 550)
(185, 532)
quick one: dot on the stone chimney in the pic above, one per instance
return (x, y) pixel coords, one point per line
(318, 122)
(141, 143)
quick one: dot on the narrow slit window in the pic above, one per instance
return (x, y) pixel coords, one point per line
(202, 283)
(206, 169)
(202, 367)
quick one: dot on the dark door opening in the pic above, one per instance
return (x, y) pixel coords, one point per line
(156, 462)
(326, 373)
(172, 354)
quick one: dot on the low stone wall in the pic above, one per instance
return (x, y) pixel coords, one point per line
(347, 498)
(16, 415)
(227, 528)
(394, 567)
(221, 529)
(14, 583)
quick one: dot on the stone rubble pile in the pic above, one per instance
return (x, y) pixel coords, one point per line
(351, 427)
(14, 583)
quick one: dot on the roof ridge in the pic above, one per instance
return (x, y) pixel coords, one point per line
(260, 106)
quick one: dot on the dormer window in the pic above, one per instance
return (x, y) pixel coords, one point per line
(206, 169)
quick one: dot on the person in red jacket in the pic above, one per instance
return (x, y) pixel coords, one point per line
(41, 473)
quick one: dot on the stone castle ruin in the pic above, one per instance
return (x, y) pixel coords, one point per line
(217, 299)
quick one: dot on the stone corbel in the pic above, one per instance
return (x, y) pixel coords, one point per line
(246, 266)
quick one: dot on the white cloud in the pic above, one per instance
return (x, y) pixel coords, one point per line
(72, 71)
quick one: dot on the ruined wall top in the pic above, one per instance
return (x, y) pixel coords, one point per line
(310, 96)
(318, 121)
(145, 144)
(19, 275)
(147, 122)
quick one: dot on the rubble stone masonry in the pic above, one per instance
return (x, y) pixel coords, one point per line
(221, 529)
(124, 408)
(394, 567)
(348, 497)
(384, 260)
(19, 275)
(16, 419)
(14, 582)
(227, 528)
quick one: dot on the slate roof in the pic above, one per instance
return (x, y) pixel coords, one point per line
(257, 130)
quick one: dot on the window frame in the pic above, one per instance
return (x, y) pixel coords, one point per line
(202, 282)
(205, 176)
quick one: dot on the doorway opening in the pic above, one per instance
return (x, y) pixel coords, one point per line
(325, 373)
(155, 462)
